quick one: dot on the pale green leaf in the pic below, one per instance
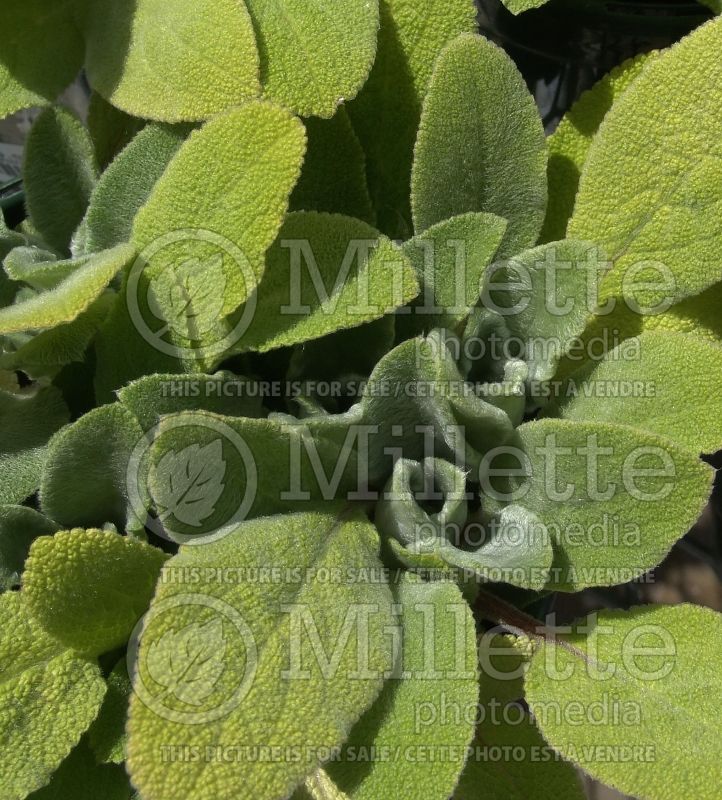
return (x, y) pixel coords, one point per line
(614, 499)
(27, 421)
(42, 52)
(88, 589)
(110, 129)
(127, 183)
(437, 669)
(19, 526)
(569, 144)
(80, 778)
(519, 6)
(243, 641)
(542, 295)
(513, 762)
(36, 731)
(387, 111)
(326, 273)
(59, 174)
(261, 466)
(84, 482)
(71, 297)
(450, 260)
(658, 668)
(670, 390)
(240, 169)
(333, 178)
(648, 192)
(106, 736)
(314, 54)
(43, 354)
(40, 269)
(153, 396)
(171, 63)
(481, 144)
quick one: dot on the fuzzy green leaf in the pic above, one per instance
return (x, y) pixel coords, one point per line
(658, 668)
(110, 129)
(387, 111)
(613, 498)
(36, 731)
(239, 628)
(326, 273)
(153, 396)
(450, 260)
(437, 668)
(127, 183)
(649, 187)
(481, 144)
(542, 296)
(84, 482)
(71, 297)
(240, 169)
(569, 144)
(171, 63)
(673, 381)
(107, 737)
(513, 762)
(333, 178)
(81, 778)
(88, 589)
(59, 174)
(42, 52)
(519, 6)
(45, 353)
(28, 420)
(19, 526)
(209, 472)
(314, 55)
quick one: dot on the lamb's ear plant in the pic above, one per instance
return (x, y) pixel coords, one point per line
(321, 371)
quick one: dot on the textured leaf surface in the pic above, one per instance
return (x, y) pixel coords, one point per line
(81, 778)
(84, 482)
(673, 382)
(450, 260)
(19, 526)
(172, 63)
(70, 297)
(256, 153)
(615, 499)
(649, 187)
(438, 664)
(513, 762)
(569, 144)
(110, 129)
(36, 731)
(313, 712)
(127, 183)
(42, 52)
(28, 420)
(152, 396)
(387, 111)
(106, 736)
(266, 466)
(641, 658)
(544, 301)
(339, 274)
(59, 174)
(333, 178)
(88, 589)
(481, 144)
(43, 354)
(314, 54)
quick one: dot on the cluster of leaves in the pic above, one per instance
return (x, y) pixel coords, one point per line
(255, 125)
